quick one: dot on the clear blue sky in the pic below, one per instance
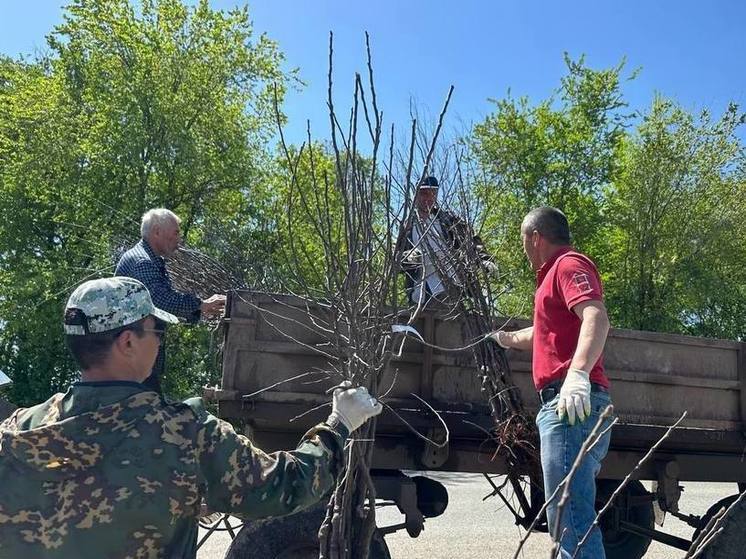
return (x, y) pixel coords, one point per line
(692, 51)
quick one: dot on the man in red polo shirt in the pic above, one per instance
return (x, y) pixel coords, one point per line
(567, 338)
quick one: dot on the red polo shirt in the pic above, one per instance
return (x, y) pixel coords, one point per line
(566, 279)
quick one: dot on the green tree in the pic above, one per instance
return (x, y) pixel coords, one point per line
(136, 106)
(560, 152)
(675, 225)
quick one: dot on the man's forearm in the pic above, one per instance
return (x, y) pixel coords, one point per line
(245, 480)
(591, 340)
(519, 339)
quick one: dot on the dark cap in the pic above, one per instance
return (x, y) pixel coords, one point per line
(428, 182)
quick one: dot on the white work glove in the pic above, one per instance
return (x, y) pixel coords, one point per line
(353, 406)
(491, 268)
(575, 396)
(499, 337)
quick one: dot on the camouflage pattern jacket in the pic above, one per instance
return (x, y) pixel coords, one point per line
(112, 470)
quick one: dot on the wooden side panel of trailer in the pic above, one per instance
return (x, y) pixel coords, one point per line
(655, 377)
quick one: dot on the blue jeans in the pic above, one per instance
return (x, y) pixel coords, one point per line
(560, 444)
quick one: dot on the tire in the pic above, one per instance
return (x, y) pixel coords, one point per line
(620, 544)
(729, 543)
(290, 537)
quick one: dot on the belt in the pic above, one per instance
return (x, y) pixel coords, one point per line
(547, 393)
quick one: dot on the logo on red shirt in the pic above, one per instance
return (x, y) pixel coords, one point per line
(582, 282)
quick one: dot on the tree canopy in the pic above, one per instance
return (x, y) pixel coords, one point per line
(651, 197)
(134, 107)
(158, 103)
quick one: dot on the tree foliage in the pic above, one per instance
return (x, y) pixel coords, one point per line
(653, 198)
(675, 235)
(135, 106)
(156, 103)
(559, 152)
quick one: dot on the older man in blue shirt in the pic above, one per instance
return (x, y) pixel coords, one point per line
(145, 262)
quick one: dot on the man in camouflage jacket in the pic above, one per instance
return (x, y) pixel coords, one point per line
(110, 469)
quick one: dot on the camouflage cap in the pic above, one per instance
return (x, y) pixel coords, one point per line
(110, 303)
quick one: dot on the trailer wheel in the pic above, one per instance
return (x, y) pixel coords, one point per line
(729, 543)
(618, 543)
(290, 537)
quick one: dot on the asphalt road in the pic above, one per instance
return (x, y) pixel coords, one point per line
(472, 528)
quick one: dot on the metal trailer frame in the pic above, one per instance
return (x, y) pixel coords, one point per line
(654, 378)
